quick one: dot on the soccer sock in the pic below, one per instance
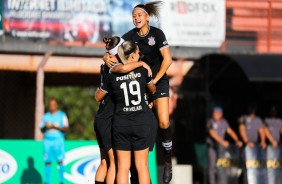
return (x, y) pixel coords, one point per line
(61, 171)
(47, 173)
(166, 138)
(99, 182)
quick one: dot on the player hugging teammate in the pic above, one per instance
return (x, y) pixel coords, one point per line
(154, 46)
(131, 119)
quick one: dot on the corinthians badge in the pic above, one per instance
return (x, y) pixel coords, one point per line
(151, 41)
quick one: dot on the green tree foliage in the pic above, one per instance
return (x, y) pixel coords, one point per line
(80, 107)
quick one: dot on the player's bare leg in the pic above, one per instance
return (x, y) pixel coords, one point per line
(162, 108)
(103, 167)
(141, 163)
(124, 159)
(111, 174)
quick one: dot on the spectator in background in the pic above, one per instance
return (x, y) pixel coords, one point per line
(217, 127)
(54, 125)
(273, 129)
(251, 129)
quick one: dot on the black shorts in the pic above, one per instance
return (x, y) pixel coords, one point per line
(162, 89)
(103, 129)
(127, 138)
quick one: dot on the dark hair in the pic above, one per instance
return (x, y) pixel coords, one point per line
(53, 99)
(152, 8)
(111, 42)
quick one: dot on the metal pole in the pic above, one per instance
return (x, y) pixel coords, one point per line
(39, 106)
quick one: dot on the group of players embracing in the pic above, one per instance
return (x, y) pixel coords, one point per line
(133, 91)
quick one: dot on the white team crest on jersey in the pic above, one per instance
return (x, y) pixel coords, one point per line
(151, 41)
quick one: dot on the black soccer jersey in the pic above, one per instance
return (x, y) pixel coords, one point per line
(128, 94)
(106, 107)
(150, 45)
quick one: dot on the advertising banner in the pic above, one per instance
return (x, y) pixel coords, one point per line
(21, 161)
(198, 23)
(1, 22)
(67, 20)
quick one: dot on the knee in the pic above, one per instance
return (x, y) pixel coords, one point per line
(141, 166)
(164, 124)
(123, 167)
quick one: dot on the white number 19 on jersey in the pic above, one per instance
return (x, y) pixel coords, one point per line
(135, 92)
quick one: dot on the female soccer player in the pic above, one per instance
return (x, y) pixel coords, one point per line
(103, 119)
(131, 129)
(153, 44)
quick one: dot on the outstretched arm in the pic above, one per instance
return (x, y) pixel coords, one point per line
(125, 68)
(167, 60)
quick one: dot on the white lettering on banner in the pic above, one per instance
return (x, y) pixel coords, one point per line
(97, 6)
(84, 162)
(8, 166)
(194, 23)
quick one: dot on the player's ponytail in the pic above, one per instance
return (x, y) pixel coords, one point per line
(111, 42)
(151, 8)
(124, 51)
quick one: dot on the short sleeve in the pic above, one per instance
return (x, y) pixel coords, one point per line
(161, 40)
(241, 120)
(65, 121)
(226, 125)
(209, 125)
(43, 122)
(265, 123)
(260, 124)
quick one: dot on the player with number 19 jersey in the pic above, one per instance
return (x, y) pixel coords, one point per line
(131, 130)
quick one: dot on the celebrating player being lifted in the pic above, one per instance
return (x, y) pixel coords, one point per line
(153, 44)
(131, 129)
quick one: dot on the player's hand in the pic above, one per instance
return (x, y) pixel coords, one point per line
(225, 144)
(151, 105)
(48, 126)
(148, 68)
(263, 145)
(250, 144)
(274, 144)
(110, 60)
(239, 144)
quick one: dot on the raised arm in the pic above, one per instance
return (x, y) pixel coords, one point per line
(110, 60)
(167, 60)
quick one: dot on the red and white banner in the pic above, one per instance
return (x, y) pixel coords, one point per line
(194, 23)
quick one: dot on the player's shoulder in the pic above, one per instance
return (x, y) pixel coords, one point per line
(46, 115)
(156, 30)
(127, 36)
(61, 113)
